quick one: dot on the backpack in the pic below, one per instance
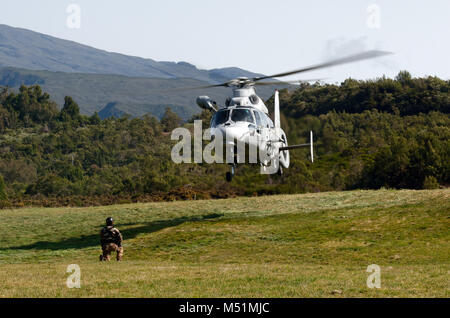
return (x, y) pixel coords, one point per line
(109, 235)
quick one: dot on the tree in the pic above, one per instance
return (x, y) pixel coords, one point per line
(95, 119)
(204, 116)
(404, 77)
(70, 110)
(170, 120)
(2, 189)
(430, 182)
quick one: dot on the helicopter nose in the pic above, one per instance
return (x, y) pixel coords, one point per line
(226, 133)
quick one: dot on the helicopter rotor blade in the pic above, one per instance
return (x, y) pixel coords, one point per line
(293, 82)
(255, 81)
(195, 87)
(343, 60)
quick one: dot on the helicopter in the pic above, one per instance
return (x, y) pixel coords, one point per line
(244, 119)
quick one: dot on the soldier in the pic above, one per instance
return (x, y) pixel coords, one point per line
(111, 241)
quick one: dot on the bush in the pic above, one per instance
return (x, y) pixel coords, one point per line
(430, 182)
(2, 189)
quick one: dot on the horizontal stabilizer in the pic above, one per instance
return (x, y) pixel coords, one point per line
(294, 147)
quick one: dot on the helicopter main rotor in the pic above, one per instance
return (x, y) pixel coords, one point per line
(242, 82)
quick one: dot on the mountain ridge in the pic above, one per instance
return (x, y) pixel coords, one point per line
(23, 48)
(107, 82)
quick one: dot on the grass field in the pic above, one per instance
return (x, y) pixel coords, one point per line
(309, 245)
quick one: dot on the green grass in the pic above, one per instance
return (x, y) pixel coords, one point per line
(310, 245)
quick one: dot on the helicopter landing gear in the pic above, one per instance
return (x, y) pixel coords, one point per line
(230, 174)
(280, 170)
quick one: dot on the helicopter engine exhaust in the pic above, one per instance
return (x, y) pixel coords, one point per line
(207, 103)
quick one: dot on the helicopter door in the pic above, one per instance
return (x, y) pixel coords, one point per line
(258, 120)
(261, 129)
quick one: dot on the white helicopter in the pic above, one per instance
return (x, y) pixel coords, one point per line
(245, 115)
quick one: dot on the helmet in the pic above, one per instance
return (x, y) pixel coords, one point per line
(109, 221)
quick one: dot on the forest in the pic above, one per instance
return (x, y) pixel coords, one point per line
(391, 133)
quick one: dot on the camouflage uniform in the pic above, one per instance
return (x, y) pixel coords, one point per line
(111, 241)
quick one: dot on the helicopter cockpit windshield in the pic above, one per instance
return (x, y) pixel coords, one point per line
(237, 115)
(219, 118)
(242, 115)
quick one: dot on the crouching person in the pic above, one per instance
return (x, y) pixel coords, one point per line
(111, 241)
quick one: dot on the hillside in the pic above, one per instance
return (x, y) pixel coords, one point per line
(96, 78)
(26, 49)
(310, 245)
(55, 157)
(135, 96)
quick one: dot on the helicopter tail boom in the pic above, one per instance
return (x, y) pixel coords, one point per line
(310, 145)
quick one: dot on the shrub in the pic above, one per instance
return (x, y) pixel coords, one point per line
(430, 182)
(2, 189)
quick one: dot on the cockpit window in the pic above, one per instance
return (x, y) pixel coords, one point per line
(220, 117)
(266, 121)
(242, 115)
(258, 118)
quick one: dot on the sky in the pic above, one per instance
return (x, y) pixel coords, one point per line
(262, 36)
